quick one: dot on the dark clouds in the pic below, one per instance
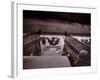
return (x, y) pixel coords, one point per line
(83, 18)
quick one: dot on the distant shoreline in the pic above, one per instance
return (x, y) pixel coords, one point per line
(56, 33)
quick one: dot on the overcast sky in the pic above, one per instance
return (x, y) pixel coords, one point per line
(83, 18)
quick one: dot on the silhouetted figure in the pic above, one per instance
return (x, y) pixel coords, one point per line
(86, 41)
(89, 42)
(66, 34)
(57, 41)
(39, 31)
(43, 41)
(51, 42)
(82, 40)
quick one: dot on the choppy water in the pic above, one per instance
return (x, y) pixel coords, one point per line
(50, 50)
(82, 37)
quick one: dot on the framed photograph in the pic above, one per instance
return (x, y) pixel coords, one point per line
(52, 40)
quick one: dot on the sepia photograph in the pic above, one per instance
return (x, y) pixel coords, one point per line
(53, 39)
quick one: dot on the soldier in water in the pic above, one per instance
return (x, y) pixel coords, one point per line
(82, 59)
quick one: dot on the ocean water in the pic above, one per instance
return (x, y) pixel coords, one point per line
(82, 37)
(51, 50)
